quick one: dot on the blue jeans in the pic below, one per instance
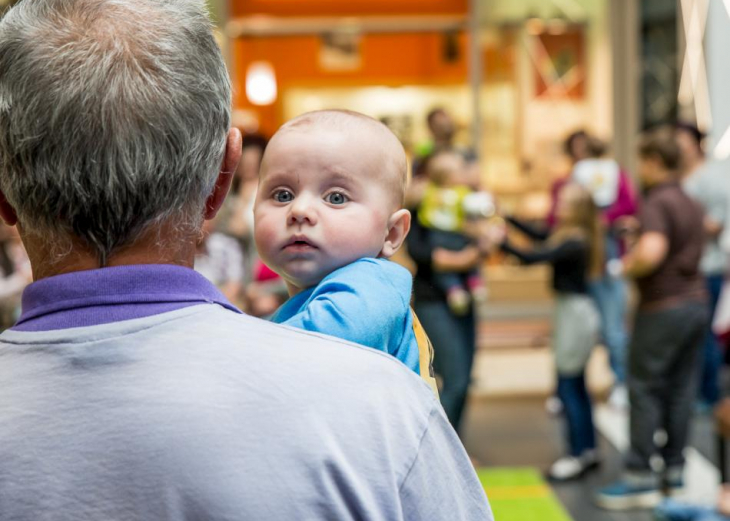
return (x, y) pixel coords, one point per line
(453, 338)
(711, 351)
(610, 296)
(581, 433)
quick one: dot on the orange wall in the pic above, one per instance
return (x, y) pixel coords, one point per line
(346, 7)
(387, 59)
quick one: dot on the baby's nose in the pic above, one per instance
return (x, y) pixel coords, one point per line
(302, 210)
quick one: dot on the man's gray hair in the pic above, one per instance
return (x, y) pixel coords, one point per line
(113, 117)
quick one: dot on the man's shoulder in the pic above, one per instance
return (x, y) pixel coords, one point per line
(670, 195)
(331, 359)
(671, 203)
(311, 367)
(234, 353)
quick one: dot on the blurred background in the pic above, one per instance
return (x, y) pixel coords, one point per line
(515, 77)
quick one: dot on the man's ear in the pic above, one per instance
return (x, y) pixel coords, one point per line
(231, 157)
(7, 212)
(398, 226)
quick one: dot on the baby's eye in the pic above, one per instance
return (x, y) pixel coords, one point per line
(283, 196)
(336, 198)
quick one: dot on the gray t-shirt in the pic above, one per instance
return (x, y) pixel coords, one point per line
(204, 414)
(710, 187)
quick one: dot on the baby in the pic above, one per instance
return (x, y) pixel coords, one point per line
(448, 207)
(328, 215)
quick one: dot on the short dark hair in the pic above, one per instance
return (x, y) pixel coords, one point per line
(568, 143)
(697, 135)
(660, 143)
(594, 146)
(433, 113)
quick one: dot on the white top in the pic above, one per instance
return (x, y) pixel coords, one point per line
(600, 177)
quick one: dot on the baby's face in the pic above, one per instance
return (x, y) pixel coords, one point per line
(323, 202)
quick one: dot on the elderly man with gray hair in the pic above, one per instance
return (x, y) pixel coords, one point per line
(130, 389)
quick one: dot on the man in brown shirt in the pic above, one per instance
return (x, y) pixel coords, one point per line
(668, 329)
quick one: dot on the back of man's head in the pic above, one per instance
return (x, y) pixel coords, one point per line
(661, 145)
(113, 117)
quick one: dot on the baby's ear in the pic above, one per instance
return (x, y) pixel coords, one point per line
(398, 226)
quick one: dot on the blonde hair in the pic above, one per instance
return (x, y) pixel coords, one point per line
(585, 224)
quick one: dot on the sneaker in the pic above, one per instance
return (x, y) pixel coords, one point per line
(566, 469)
(571, 467)
(619, 398)
(591, 459)
(673, 481)
(623, 495)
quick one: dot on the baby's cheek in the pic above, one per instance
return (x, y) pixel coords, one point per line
(263, 236)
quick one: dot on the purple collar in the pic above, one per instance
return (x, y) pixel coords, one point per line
(103, 296)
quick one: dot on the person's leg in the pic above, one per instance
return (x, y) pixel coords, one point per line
(575, 328)
(578, 414)
(659, 342)
(453, 343)
(681, 384)
(711, 353)
(638, 486)
(609, 294)
(646, 362)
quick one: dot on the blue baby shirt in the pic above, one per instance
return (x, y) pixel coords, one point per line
(366, 302)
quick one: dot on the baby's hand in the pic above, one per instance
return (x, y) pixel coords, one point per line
(493, 235)
(497, 231)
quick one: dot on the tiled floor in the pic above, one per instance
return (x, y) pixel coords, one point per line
(518, 432)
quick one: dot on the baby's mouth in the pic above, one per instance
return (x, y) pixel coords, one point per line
(299, 244)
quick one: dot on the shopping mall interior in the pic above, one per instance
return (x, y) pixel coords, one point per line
(516, 77)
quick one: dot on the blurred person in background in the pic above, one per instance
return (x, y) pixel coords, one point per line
(443, 210)
(453, 335)
(708, 185)
(442, 130)
(220, 260)
(131, 388)
(262, 291)
(615, 198)
(669, 328)
(574, 248)
(15, 274)
(236, 218)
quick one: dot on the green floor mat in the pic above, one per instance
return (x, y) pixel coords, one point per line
(520, 494)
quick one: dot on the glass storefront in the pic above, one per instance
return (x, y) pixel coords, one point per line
(545, 69)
